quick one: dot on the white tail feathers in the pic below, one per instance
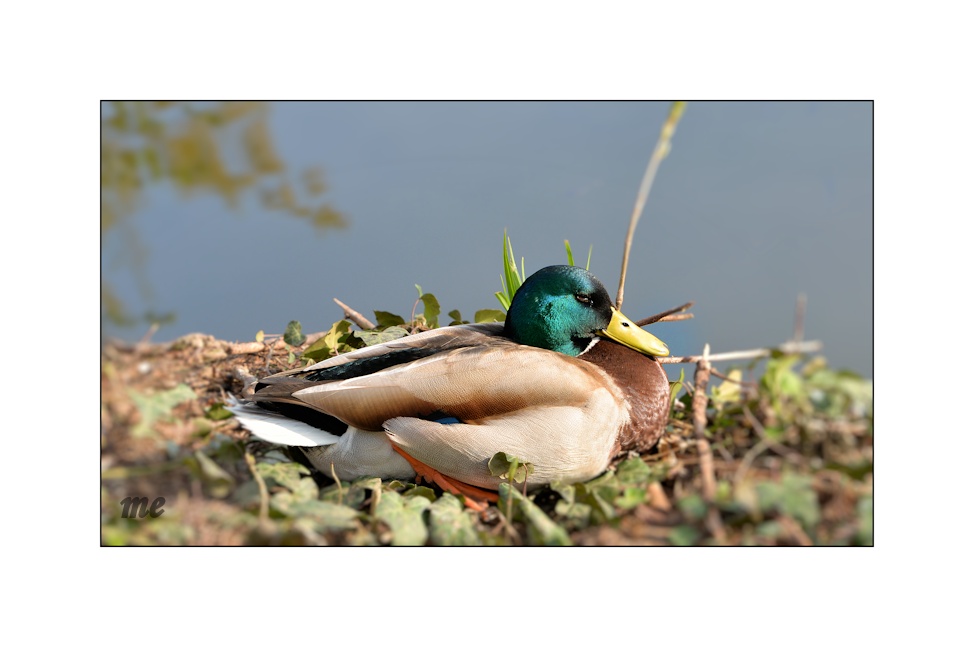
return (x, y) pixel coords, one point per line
(278, 429)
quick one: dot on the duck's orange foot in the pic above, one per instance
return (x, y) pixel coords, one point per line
(474, 497)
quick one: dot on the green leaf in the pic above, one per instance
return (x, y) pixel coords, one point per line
(599, 494)
(347, 494)
(771, 529)
(325, 516)
(293, 335)
(793, 496)
(692, 506)
(565, 490)
(327, 346)
(864, 517)
(456, 318)
(404, 516)
(292, 503)
(486, 316)
(156, 407)
(675, 388)
(420, 490)
(633, 471)
(218, 412)
(216, 480)
(505, 466)
(630, 498)
(684, 536)
(451, 524)
(288, 475)
(727, 392)
(500, 463)
(541, 529)
(568, 252)
(385, 319)
(431, 310)
(371, 337)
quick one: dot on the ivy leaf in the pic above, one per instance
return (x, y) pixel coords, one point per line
(793, 496)
(500, 463)
(419, 490)
(217, 481)
(692, 506)
(287, 475)
(404, 516)
(325, 516)
(292, 504)
(431, 310)
(505, 466)
(456, 319)
(727, 392)
(218, 412)
(372, 337)
(541, 529)
(327, 346)
(684, 536)
(293, 335)
(385, 319)
(675, 388)
(157, 407)
(864, 517)
(451, 524)
(486, 316)
(633, 471)
(630, 498)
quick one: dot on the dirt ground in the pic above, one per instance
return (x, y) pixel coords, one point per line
(785, 460)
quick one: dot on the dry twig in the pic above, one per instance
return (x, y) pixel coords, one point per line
(673, 314)
(757, 353)
(357, 318)
(707, 474)
(261, 487)
(799, 318)
(659, 153)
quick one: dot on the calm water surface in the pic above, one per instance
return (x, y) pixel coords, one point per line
(232, 218)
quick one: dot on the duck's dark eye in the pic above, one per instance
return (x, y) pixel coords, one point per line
(582, 298)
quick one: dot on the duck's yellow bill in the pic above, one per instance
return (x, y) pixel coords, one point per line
(624, 331)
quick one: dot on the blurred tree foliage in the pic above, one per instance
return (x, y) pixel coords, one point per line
(200, 148)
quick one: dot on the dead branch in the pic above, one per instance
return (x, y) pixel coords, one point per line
(659, 153)
(790, 348)
(666, 315)
(799, 319)
(357, 317)
(708, 476)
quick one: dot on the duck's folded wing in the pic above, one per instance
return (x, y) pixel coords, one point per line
(469, 384)
(398, 351)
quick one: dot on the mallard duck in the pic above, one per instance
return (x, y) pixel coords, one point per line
(565, 383)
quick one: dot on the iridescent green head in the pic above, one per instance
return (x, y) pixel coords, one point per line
(562, 308)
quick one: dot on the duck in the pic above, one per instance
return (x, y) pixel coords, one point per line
(566, 383)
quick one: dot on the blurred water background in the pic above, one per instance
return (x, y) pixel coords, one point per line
(230, 218)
